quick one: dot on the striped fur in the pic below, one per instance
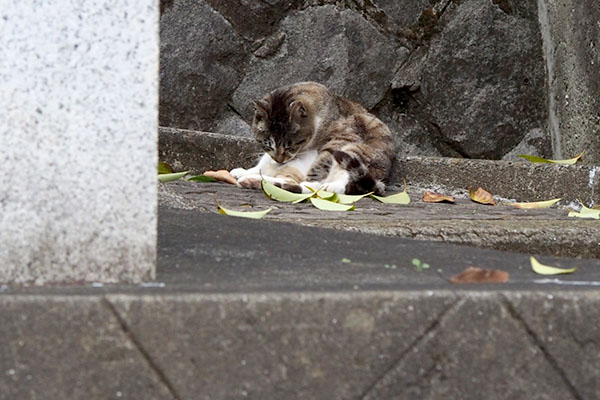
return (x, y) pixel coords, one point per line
(354, 149)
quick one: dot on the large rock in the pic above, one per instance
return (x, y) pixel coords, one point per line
(483, 82)
(202, 61)
(337, 48)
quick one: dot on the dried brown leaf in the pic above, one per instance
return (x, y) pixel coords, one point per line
(430, 197)
(482, 196)
(480, 275)
(221, 175)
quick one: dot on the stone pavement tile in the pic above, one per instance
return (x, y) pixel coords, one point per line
(565, 326)
(70, 347)
(279, 345)
(478, 351)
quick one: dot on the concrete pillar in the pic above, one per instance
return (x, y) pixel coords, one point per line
(571, 33)
(78, 140)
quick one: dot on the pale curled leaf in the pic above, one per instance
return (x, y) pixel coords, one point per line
(542, 269)
(586, 212)
(482, 196)
(172, 177)
(537, 159)
(535, 204)
(430, 197)
(351, 198)
(243, 214)
(329, 205)
(276, 193)
(480, 275)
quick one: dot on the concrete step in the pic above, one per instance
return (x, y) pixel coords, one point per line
(271, 310)
(502, 227)
(523, 181)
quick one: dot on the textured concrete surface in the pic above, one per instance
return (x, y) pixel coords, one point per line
(572, 41)
(267, 310)
(79, 96)
(522, 181)
(503, 227)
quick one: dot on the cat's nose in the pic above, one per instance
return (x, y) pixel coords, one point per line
(279, 156)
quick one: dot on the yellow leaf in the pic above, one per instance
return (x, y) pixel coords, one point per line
(548, 270)
(172, 177)
(482, 196)
(585, 213)
(535, 204)
(351, 198)
(279, 194)
(243, 214)
(537, 159)
(330, 205)
(398, 198)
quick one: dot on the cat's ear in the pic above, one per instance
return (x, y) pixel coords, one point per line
(297, 109)
(262, 109)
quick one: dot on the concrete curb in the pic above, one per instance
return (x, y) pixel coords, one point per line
(367, 345)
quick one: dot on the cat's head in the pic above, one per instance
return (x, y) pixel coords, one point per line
(283, 124)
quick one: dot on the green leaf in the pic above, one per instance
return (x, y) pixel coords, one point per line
(398, 198)
(416, 262)
(164, 168)
(202, 178)
(325, 195)
(346, 260)
(548, 270)
(276, 193)
(243, 214)
(330, 205)
(172, 177)
(349, 198)
(537, 159)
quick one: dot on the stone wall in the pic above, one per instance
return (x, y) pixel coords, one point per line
(452, 78)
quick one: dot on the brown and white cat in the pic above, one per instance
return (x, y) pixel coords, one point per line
(313, 138)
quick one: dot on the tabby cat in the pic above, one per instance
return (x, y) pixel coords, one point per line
(313, 138)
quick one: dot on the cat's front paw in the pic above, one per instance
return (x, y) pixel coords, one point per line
(250, 182)
(237, 173)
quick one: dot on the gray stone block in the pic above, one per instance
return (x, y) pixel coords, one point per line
(70, 347)
(79, 96)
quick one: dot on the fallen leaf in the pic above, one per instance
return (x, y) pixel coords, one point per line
(330, 205)
(548, 270)
(221, 175)
(325, 195)
(430, 197)
(535, 204)
(243, 214)
(585, 212)
(201, 178)
(346, 260)
(482, 196)
(398, 198)
(276, 193)
(480, 275)
(351, 198)
(164, 168)
(537, 159)
(172, 177)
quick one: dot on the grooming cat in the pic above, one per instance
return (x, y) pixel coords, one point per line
(313, 138)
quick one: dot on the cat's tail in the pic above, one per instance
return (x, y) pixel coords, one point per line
(360, 179)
